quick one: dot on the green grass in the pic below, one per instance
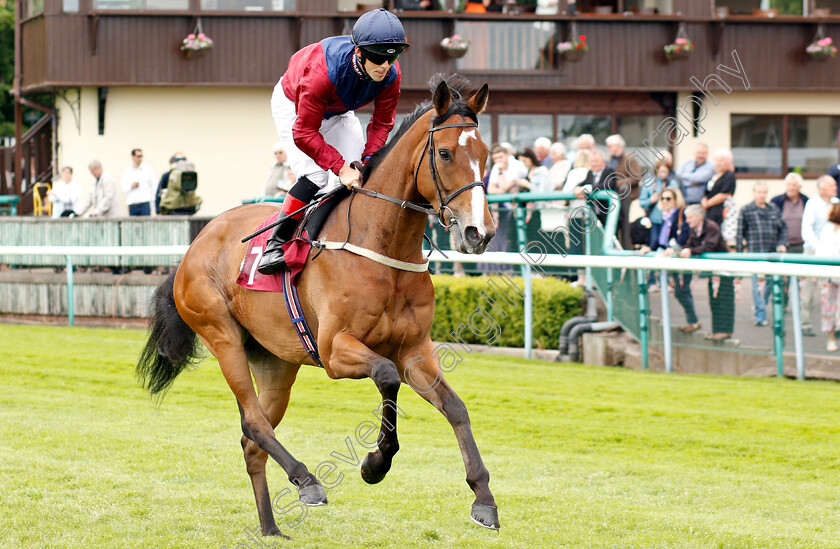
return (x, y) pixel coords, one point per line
(578, 456)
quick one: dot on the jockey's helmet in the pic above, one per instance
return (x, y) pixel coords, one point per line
(379, 35)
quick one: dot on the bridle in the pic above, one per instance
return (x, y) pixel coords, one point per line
(444, 197)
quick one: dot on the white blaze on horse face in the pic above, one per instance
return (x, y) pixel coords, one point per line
(462, 139)
(477, 202)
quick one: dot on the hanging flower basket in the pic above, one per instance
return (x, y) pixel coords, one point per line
(196, 44)
(680, 49)
(822, 49)
(455, 46)
(574, 49)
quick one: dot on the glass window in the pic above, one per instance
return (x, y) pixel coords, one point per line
(812, 143)
(33, 7)
(649, 7)
(248, 5)
(507, 45)
(757, 143)
(570, 127)
(752, 7)
(637, 129)
(520, 130)
(141, 4)
(832, 7)
(70, 6)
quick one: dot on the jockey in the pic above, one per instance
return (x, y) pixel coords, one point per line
(313, 108)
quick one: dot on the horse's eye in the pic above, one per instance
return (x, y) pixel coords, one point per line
(444, 154)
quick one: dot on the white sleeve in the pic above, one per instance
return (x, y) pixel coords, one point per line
(808, 236)
(125, 185)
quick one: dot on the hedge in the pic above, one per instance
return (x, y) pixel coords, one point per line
(481, 317)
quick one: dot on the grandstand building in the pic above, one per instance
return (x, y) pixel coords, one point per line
(118, 79)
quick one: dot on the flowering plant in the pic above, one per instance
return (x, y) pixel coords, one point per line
(455, 42)
(196, 42)
(574, 45)
(680, 48)
(822, 48)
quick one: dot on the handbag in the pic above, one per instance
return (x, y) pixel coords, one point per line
(729, 227)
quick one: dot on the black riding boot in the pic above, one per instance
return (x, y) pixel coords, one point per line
(300, 195)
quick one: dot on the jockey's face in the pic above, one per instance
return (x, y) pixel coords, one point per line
(377, 73)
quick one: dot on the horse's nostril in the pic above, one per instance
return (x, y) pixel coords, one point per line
(472, 236)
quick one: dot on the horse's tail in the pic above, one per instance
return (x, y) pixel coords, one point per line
(172, 345)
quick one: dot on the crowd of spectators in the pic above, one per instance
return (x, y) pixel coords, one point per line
(142, 192)
(685, 212)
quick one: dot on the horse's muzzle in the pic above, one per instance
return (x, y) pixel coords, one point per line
(474, 241)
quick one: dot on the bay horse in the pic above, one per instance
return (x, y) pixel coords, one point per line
(370, 320)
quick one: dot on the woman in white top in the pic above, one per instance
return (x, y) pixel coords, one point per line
(65, 194)
(829, 245)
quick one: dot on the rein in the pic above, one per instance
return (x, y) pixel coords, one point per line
(444, 198)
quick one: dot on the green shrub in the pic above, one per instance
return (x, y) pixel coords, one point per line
(458, 300)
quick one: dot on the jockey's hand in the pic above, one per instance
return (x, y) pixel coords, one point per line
(350, 177)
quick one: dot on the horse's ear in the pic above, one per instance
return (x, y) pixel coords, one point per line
(478, 101)
(442, 98)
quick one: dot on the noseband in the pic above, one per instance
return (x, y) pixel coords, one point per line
(444, 197)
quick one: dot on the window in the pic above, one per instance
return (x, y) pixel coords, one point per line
(812, 143)
(141, 4)
(752, 7)
(636, 129)
(33, 7)
(507, 45)
(776, 145)
(520, 130)
(757, 144)
(570, 127)
(832, 6)
(248, 5)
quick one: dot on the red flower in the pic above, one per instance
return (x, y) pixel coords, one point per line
(577, 47)
(582, 38)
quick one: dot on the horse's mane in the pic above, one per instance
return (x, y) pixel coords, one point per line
(458, 86)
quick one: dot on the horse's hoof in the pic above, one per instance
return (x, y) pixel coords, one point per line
(368, 474)
(313, 495)
(276, 532)
(486, 516)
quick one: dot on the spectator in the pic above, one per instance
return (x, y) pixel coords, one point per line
(629, 174)
(504, 175)
(138, 184)
(705, 237)
(674, 234)
(164, 179)
(792, 205)
(178, 195)
(760, 225)
(720, 187)
(100, 202)
(280, 178)
(834, 172)
(829, 246)
(577, 175)
(542, 147)
(560, 167)
(65, 194)
(814, 219)
(694, 175)
(598, 179)
(477, 6)
(415, 5)
(584, 142)
(536, 181)
(649, 195)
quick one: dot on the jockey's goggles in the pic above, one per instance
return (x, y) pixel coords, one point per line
(379, 53)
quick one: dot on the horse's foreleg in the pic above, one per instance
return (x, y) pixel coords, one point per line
(350, 358)
(421, 371)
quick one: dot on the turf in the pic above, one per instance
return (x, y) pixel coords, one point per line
(579, 456)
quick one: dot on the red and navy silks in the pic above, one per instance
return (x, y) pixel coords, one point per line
(295, 252)
(322, 83)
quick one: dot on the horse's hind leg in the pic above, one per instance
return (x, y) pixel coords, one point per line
(224, 339)
(421, 371)
(274, 379)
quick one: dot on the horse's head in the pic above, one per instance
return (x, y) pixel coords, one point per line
(451, 180)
